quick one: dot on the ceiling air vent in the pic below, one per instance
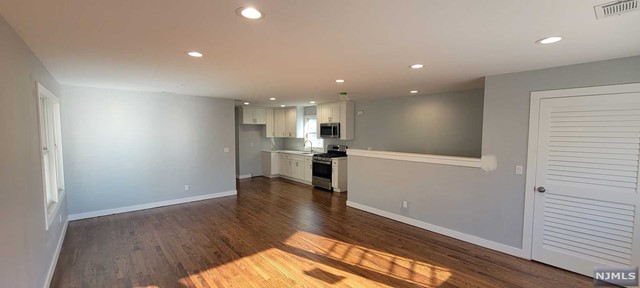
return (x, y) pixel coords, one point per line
(615, 8)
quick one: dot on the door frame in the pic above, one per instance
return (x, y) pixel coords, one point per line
(532, 149)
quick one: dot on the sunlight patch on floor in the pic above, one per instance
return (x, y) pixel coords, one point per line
(272, 268)
(378, 263)
(306, 259)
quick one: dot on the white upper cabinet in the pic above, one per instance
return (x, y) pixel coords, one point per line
(285, 122)
(279, 122)
(294, 126)
(270, 129)
(260, 115)
(329, 112)
(254, 115)
(338, 112)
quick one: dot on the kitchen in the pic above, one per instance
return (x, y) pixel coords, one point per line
(449, 124)
(294, 139)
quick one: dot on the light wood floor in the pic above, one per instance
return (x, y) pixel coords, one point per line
(278, 233)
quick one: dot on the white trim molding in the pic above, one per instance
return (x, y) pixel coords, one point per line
(56, 254)
(415, 157)
(245, 176)
(48, 106)
(532, 149)
(126, 209)
(441, 230)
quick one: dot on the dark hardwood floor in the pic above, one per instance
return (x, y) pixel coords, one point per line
(278, 233)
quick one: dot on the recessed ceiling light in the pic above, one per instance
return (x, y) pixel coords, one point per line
(195, 54)
(416, 66)
(312, 102)
(281, 105)
(272, 99)
(549, 40)
(413, 91)
(340, 81)
(246, 103)
(249, 13)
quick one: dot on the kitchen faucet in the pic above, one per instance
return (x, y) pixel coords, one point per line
(310, 144)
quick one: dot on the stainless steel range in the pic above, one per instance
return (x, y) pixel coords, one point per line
(322, 166)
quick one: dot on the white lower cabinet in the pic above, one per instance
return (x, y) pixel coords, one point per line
(308, 171)
(296, 170)
(295, 167)
(297, 163)
(285, 165)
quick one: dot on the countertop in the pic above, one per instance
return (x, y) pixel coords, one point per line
(293, 152)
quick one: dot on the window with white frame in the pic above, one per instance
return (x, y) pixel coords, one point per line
(50, 151)
(311, 132)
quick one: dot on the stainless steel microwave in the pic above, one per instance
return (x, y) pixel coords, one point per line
(330, 130)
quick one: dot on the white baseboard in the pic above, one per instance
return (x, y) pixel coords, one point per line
(56, 255)
(518, 252)
(245, 176)
(92, 214)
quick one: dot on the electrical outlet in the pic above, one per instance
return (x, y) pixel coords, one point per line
(186, 187)
(519, 169)
(251, 144)
(360, 112)
(405, 204)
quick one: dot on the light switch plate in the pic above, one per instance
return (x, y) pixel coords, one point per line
(226, 149)
(519, 169)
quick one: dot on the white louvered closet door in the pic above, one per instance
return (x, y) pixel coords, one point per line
(587, 163)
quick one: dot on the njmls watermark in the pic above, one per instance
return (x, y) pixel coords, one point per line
(623, 276)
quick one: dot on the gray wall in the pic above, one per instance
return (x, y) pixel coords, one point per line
(27, 248)
(250, 142)
(443, 124)
(126, 148)
(489, 205)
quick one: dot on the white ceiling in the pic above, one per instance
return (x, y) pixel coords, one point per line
(298, 50)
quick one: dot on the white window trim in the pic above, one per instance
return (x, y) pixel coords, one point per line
(50, 209)
(306, 117)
